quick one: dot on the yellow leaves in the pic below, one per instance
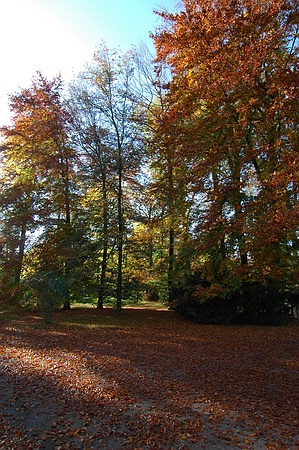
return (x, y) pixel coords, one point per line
(215, 290)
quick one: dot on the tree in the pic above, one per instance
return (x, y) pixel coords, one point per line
(36, 170)
(233, 101)
(94, 152)
(104, 112)
(169, 176)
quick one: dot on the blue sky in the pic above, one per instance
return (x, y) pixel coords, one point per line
(56, 36)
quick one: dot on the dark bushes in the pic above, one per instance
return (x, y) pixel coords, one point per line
(253, 303)
(217, 311)
(261, 304)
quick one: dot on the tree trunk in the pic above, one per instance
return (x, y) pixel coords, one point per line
(65, 178)
(171, 220)
(19, 265)
(102, 285)
(20, 256)
(120, 236)
(170, 263)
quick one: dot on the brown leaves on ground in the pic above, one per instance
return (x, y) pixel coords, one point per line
(146, 379)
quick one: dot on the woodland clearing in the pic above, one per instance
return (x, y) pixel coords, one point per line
(146, 379)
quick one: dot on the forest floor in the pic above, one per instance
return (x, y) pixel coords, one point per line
(146, 379)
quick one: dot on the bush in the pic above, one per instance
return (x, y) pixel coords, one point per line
(151, 293)
(216, 311)
(253, 303)
(261, 304)
(206, 308)
(132, 290)
(51, 289)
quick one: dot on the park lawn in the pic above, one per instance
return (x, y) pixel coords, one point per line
(146, 379)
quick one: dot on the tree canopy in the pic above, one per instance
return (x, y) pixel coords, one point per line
(172, 176)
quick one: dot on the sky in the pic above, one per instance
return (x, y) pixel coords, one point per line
(60, 36)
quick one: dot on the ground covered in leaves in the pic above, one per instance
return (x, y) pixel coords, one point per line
(146, 379)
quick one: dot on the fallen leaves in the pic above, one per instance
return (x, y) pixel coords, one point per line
(147, 380)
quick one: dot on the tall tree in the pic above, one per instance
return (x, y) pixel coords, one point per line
(234, 101)
(96, 169)
(169, 175)
(109, 107)
(36, 164)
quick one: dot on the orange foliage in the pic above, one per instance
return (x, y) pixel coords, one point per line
(146, 379)
(234, 102)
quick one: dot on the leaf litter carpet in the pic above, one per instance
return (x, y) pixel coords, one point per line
(146, 379)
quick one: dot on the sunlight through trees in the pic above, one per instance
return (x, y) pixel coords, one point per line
(172, 177)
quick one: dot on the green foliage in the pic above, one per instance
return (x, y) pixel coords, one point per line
(132, 289)
(218, 191)
(151, 293)
(51, 290)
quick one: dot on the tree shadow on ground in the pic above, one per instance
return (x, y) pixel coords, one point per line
(101, 380)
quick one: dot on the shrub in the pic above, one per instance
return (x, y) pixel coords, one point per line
(51, 289)
(252, 303)
(217, 311)
(262, 304)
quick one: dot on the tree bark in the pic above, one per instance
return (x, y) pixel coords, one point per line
(120, 236)
(102, 284)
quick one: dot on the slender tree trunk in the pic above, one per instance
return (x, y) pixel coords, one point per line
(102, 284)
(19, 265)
(235, 165)
(218, 253)
(171, 232)
(66, 182)
(151, 243)
(20, 255)
(170, 262)
(120, 236)
(151, 254)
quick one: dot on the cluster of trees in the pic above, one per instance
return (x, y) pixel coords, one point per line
(176, 177)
